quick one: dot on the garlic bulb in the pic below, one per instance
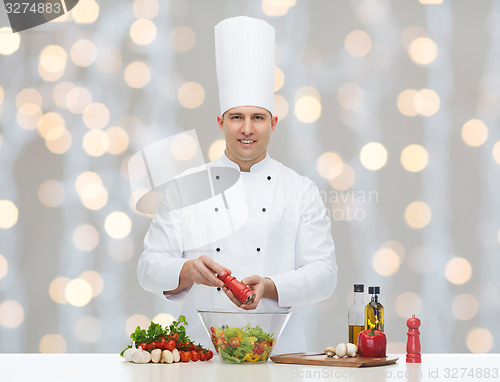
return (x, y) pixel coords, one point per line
(141, 356)
(127, 354)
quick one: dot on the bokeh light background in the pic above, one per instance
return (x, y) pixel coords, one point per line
(391, 107)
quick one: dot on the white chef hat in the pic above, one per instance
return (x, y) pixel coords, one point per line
(245, 60)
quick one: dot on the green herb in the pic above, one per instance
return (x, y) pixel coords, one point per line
(140, 335)
(176, 327)
(155, 330)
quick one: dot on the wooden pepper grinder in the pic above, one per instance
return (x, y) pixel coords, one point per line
(240, 290)
(413, 344)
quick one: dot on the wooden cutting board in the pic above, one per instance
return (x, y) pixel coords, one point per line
(323, 360)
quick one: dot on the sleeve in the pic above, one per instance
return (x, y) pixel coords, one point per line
(315, 275)
(161, 262)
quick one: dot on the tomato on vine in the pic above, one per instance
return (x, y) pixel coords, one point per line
(185, 356)
(170, 345)
(195, 356)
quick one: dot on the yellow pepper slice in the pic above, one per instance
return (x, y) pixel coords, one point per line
(246, 358)
(249, 357)
(264, 355)
(255, 357)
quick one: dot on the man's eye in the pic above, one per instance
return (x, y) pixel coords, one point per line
(236, 117)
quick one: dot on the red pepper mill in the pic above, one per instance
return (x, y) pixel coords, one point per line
(240, 290)
(413, 343)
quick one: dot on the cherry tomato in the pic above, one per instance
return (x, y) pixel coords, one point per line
(263, 346)
(153, 345)
(173, 335)
(256, 349)
(170, 345)
(188, 345)
(143, 345)
(195, 356)
(203, 356)
(185, 356)
(234, 342)
(210, 354)
(162, 344)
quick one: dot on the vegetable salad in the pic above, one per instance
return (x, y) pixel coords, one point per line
(242, 344)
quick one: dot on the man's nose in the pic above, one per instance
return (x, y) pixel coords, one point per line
(247, 128)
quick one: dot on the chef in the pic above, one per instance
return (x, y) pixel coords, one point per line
(284, 249)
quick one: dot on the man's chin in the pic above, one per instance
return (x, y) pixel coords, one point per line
(248, 158)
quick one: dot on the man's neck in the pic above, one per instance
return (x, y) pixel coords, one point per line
(245, 165)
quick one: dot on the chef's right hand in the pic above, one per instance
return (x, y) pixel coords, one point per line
(203, 270)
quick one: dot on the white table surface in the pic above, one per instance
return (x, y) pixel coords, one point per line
(111, 367)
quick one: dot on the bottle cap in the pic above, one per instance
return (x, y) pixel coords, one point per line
(374, 290)
(359, 287)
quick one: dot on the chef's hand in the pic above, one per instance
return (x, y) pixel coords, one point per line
(203, 270)
(199, 271)
(262, 287)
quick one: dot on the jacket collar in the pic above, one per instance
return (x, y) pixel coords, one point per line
(257, 167)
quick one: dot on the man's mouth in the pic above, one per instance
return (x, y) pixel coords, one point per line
(246, 141)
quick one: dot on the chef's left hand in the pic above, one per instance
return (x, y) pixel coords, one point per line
(262, 287)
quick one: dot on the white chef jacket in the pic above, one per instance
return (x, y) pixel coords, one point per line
(287, 237)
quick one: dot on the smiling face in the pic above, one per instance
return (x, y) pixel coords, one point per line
(247, 130)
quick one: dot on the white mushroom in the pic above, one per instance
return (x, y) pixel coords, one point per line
(156, 355)
(329, 351)
(167, 356)
(341, 350)
(352, 350)
(177, 356)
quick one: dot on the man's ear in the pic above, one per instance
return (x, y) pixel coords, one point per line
(274, 122)
(220, 122)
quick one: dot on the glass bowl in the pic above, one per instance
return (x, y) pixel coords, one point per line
(246, 336)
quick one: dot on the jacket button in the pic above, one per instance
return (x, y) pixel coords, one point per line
(217, 249)
(216, 209)
(217, 177)
(269, 177)
(258, 249)
(219, 289)
(264, 209)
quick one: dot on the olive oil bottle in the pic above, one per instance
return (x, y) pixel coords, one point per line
(374, 311)
(356, 314)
